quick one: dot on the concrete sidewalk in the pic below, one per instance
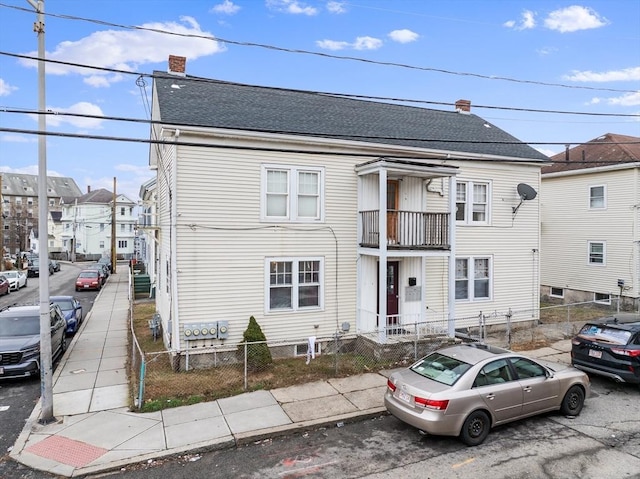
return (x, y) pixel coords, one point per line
(95, 431)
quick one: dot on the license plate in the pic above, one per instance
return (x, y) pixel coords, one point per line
(1, 370)
(595, 354)
(404, 396)
(86, 285)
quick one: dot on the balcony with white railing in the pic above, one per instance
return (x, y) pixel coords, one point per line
(406, 230)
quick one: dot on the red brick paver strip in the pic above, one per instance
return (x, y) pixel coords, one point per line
(68, 451)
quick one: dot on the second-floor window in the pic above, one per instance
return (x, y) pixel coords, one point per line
(122, 211)
(473, 279)
(597, 197)
(472, 202)
(292, 194)
(597, 251)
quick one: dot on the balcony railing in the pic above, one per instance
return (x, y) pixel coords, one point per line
(406, 230)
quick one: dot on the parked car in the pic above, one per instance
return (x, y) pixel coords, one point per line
(17, 279)
(609, 347)
(72, 311)
(5, 286)
(20, 339)
(34, 267)
(56, 265)
(106, 261)
(88, 279)
(102, 269)
(465, 390)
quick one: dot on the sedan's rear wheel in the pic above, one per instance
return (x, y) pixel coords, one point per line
(573, 401)
(475, 428)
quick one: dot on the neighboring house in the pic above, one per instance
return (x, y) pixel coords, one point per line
(269, 201)
(148, 230)
(87, 224)
(55, 243)
(20, 205)
(591, 223)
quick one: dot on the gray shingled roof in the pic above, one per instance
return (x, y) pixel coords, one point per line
(19, 184)
(212, 103)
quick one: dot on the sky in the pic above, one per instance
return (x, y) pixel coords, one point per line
(551, 73)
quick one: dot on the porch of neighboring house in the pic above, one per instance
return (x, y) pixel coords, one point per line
(419, 223)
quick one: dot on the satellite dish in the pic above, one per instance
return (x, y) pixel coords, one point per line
(526, 193)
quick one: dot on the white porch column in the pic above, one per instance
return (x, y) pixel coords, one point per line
(451, 325)
(382, 263)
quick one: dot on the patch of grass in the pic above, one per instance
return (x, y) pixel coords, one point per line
(550, 313)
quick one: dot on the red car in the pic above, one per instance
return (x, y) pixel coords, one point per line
(88, 279)
(5, 286)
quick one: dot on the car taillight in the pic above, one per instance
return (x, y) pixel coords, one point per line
(438, 405)
(632, 353)
(391, 386)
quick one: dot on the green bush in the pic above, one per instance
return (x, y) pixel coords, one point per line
(258, 355)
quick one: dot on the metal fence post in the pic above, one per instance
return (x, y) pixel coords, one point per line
(246, 384)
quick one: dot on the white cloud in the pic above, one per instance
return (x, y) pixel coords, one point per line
(5, 88)
(333, 45)
(336, 7)
(403, 36)
(291, 6)
(546, 151)
(128, 183)
(527, 21)
(14, 138)
(81, 108)
(628, 74)
(574, 18)
(27, 170)
(127, 50)
(367, 43)
(361, 43)
(628, 99)
(546, 51)
(226, 8)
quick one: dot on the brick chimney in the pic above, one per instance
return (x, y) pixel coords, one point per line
(177, 65)
(463, 106)
(88, 188)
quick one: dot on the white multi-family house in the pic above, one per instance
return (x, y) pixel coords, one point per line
(320, 214)
(87, 229)
(591, 223)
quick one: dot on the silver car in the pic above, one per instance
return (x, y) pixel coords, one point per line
(467, 389)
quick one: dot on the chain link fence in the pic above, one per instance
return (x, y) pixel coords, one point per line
(162, 379)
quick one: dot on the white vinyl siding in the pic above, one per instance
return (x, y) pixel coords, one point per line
(569, 224)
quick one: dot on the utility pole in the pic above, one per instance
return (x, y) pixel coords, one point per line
(113, 229)
(73, 241)
(46, 370)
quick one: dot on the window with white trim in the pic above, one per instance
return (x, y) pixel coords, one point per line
(557, 292)
(597, 197)
(294, 284)
(292, 193)
(473, 279)
(472, 202)
(602, 298)
(597, 253)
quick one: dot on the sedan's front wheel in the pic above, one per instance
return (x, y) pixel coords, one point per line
(573, 401)
(475, 428)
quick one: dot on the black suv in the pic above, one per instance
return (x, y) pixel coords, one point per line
(34, 267)
(609, 347)
(20, 339)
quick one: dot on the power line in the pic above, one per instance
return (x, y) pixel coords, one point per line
(284, 150)
(142, 75)
(320, 54)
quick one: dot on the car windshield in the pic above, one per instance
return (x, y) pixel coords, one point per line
(441, 368)
(21, 326)
(605, 333)
(88, 274)
(65, 304)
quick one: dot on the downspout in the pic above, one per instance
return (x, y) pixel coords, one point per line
(451, 293)
(174, 243)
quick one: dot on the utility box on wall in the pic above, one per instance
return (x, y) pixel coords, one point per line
(208, 330)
